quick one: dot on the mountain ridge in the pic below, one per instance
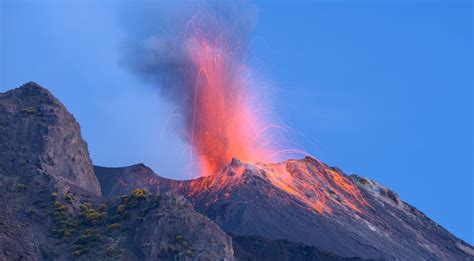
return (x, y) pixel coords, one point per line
(248, 210)
(52, 207)
(56, 205)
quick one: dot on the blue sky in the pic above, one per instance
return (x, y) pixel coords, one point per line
(383, 90)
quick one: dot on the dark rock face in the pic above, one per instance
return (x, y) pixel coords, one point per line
(175, 231)
(138, 226)
(51, 207)
(260, 248)
(243, 201)
(41, 151)
(119, 181)
(38, 134)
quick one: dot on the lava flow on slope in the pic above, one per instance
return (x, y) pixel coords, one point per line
(311, 183)
(226, 122)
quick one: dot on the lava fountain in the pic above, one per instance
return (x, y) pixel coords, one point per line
(224, 122)
(201, 66)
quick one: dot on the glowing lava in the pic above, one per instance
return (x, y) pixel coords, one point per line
(309, 182)
(225, 123)
(197, 58)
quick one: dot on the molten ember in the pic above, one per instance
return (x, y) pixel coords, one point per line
(309, 182)
(224, 124)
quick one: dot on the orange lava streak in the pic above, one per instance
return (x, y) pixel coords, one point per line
(316, 185)
(223, 123)
(307, 181)
(226, 124)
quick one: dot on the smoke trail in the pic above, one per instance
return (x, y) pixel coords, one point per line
(195, 53)
(163, 34)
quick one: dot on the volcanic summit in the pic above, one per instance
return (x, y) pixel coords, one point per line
(56, 205)
(303, 201)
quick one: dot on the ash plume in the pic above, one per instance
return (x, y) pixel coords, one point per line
(195, 54)
(161, 33)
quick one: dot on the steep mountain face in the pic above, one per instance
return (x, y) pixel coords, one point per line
(41, 151)
(305, 201)
(51, 207)
(38, 134)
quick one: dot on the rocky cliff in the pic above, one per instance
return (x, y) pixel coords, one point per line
(38, 135)
(52, 208)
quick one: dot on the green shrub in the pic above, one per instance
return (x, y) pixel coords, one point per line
(114, 226)
(58, 231)
(124, 199)
(29, 110)
(54, 195)
(111, 251)
(67, 234)
(85, 206)
(185, 244)
(89, 236)
(103, 207)
(139, 193)
(72, 224)
(93, 217)
(121, 209)
(69, 196)
(189, 253)
(76, 247)
(59, 216)
(57, 204)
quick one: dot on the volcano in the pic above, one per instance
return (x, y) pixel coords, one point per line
(318, 205)
(56, 205)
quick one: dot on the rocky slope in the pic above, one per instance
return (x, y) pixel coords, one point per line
(307, 201)
(55, 205)
(260, 248)
(38, 134)
(52, 208)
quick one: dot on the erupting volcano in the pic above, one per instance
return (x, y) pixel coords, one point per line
(249, 191)
(202, 67)
(223, 124)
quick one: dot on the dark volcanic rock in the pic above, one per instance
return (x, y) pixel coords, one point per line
(51, 207)
(38, 135)
(119, 181)
(41, 151)
(260, 248)
(246, 200)
(173, 230)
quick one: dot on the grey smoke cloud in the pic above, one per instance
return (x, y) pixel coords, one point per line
(158, 32)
